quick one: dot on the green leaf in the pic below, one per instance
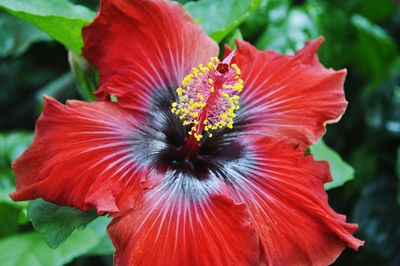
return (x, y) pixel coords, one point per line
(289, 35)
(376, 10)
(340, 170)
(219, 18)
(9, 219)
(92, 4)
(86, 76)
(374, 51)
(288, 31)
(30, 249)
(7, 187)
(60, 19)
(11, 146)
(230, 40)
(57, 223)
(182, 1)
(269, 12)
(17, 35)
(105, 246)
(61, 88)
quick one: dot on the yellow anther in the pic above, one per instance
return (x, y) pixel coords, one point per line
(199, 107)
(198, 136)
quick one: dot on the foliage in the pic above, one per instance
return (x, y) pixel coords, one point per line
(360, 35)
(219, 18)
(11, 146)
(30, 249)
(59, 18)
(340, 170)
(57, 223)
(86, 76)
(18, 35)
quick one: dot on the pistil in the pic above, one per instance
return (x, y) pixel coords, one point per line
(208, 99)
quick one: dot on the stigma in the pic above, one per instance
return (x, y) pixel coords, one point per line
(209, 97)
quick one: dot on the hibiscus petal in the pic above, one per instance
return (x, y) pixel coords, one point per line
(83, 156)
(284, 192)
(185, 222)
(291, 96)
(148, 44)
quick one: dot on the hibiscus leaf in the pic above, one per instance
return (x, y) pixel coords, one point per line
(219, 18)
(61, 88)
(60, 19)
(377, 11)
(289, 35)
(57, 223)
(86, 76)
(374, 41)
(231, 38)
(9, 219)
(30, 249)
(105, 246)
(17, 35)
(288, 29)
(268, 13)
(11, 146)
(340, 170)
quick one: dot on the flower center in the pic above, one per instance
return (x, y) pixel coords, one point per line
(209, 97)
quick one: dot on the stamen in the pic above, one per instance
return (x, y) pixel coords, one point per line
(209, 97)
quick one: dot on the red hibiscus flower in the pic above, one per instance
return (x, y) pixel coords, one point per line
(200, 162)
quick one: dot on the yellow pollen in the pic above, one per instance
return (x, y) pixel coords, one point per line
(209, 97)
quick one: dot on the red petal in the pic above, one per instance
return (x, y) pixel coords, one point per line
(176, 228)
(152, 43)
(81, 156)
(291, 96)
(285, 195)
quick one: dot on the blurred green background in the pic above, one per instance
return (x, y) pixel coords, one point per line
(360, 35)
